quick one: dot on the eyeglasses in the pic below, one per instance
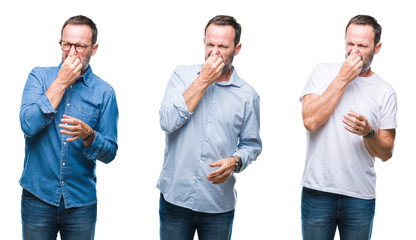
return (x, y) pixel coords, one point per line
(79, 47)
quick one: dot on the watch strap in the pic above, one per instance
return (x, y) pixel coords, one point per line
(90, 137)
(237, 164)
(370, 134)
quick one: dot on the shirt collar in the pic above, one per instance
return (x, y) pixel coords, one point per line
(234, 79)
(86, 78)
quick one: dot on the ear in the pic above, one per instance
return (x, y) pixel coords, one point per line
(237, 49)
(378, 46)
(94, 49)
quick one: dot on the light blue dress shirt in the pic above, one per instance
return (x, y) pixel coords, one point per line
(226, 122)
(53, 167)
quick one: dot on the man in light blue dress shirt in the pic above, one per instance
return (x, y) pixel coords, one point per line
(211, 118)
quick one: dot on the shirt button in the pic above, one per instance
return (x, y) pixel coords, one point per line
(63, 164)
(70, 86)
(62, 182)
(64, 143)
(67, 104)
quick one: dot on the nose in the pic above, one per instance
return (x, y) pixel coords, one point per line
(355, 50)
(215, 51)
(72, 51)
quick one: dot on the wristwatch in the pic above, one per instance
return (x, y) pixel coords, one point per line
(90, 137)
(237, 164)
(370, 134)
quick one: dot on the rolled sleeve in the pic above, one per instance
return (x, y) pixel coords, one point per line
(36, 111)
(174, 112)
(92, 150)
(45, 105)
(104, 147)
(181, 107)
(250, 144)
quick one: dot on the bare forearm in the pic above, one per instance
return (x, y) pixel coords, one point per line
(69, 72)
(55, 93)
(194, 94)
(210, 72)
(381, 144)
(317, 109)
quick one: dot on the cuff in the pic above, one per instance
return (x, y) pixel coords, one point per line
(181, 106)
(243, 161)
(45, 105)
(94, 148)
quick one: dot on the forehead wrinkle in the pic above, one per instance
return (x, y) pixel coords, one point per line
(358, 41)
(220, 34)
(217, 41)
(77, 34)
(360, 34)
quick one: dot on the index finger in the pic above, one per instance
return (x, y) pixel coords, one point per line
(356, 115)
(218, 171)
(71, 120)
(212, 58)
(70, 59)
(219, 60)
(354, 56)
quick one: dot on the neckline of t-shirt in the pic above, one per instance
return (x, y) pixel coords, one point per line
(370, 78)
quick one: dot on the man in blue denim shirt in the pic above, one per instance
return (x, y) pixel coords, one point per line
(211, 118)
(69, 118)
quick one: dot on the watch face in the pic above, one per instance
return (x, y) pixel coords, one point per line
(370, 134)
(90, 137)
(237, 167)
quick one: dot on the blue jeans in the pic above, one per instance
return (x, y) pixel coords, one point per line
(41, 221)
(322, 212)
(178, 223)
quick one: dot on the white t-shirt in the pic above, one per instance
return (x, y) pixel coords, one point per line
(337, 161)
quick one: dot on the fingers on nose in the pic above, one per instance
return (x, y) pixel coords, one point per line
(214, 52)
(355, 52)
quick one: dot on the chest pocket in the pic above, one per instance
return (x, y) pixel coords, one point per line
(89, 116)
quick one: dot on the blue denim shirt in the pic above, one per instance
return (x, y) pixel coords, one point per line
(53, 167)
(226, 122)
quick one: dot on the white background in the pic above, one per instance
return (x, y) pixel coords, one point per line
(141, 42)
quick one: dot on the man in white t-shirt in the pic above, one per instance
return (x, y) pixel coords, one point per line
(350, 116)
